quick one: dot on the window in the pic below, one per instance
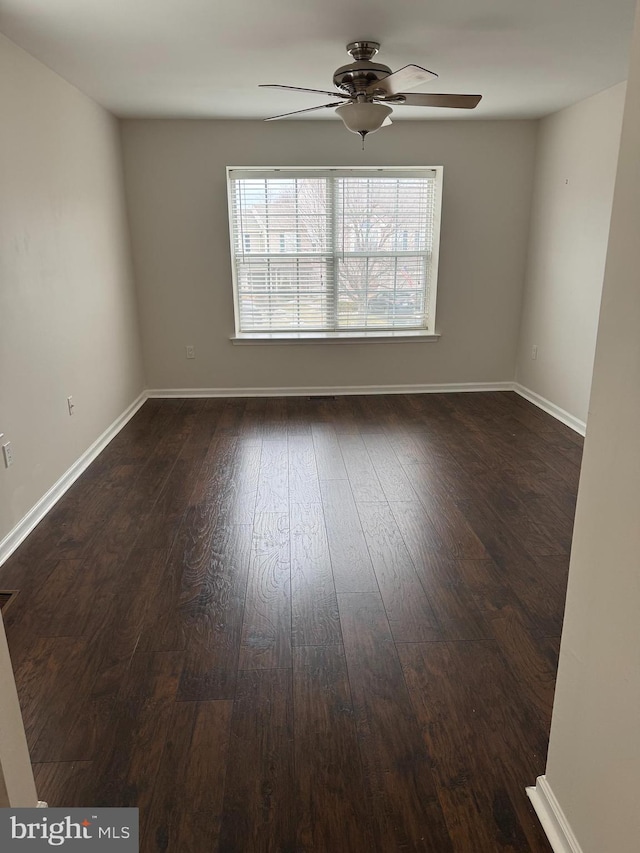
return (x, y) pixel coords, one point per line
(328, 250)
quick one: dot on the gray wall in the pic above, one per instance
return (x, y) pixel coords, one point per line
(176, 190)
(68, 315)
(573, 192)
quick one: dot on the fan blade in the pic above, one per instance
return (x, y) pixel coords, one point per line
(308, 110)
(333, 94)
(406, 78)
(459, 102)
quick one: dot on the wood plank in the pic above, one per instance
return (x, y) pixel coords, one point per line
(409, 611)
(132, 444)
(362, 475)
(93, 505)
(456, 611)
(88, 722)
(500, 542)
(231, 417)
(160, 530)
(304, 486)
(123, 621)
(371, 411)
(512, 805)
(532, 659)
(300, 415)
(403, 802)
(539, 421)
(517, 570)
(350, 560)
(266, 633)
(275, 424)
(34, 611)
(392, 478)
(518, 458)
(128, 761)
(331, 811)
(50, 684)
(112, 635)
(72, 585)
(137, 504)
(556, 527)
(63, 784)
(450, 523)
(186, 807)
(213, 630)
(251, 424)
(228, 480)
(259, 800)
(555, 571)
(329, 461)
(478, 474)
(273, 489)
(340, 412)
(33, 561)
(407, 447)
(314, 608)
(468, 707)
(163, 629)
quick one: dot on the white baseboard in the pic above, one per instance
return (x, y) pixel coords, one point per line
(24, 527)
(552, 818)
(550, 408)
(331, 391)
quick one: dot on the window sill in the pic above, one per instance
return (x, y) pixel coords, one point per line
(408, 336)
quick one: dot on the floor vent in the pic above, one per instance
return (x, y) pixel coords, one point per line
(322, 397)
(6, 596)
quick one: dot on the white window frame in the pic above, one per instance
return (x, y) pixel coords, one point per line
(426, 333)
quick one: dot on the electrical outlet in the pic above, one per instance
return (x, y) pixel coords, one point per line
(70, 405)
(191, 351)
(534, 352)
(7, 452)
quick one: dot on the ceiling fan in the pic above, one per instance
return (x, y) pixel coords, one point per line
(366, 89)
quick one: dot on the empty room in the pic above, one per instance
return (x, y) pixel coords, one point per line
(319, 404)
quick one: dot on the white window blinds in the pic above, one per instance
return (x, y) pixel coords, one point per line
(334, 250)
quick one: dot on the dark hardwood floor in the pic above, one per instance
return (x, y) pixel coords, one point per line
(294, 625)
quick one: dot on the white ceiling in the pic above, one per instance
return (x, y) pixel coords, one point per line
(204, 58)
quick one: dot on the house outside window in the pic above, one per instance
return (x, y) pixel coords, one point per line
(327, 250)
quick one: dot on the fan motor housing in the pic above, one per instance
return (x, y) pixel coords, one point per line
(358, 76)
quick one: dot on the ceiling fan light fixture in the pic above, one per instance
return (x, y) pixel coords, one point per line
(367, 88)
(363, 117)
